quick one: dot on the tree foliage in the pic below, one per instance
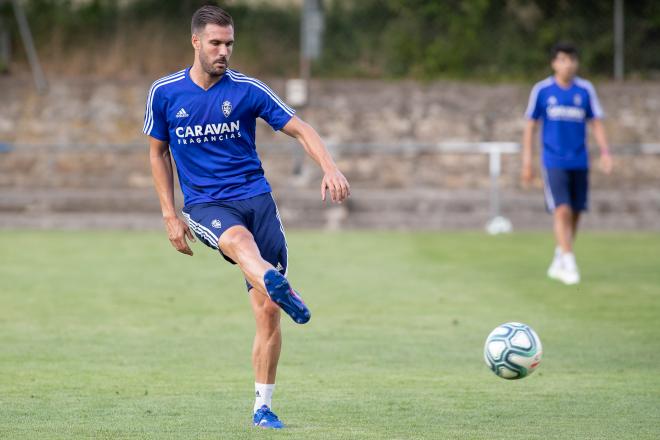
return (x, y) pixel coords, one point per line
(483, 39)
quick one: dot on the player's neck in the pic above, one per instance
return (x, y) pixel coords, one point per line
(201, 78)
(564, 82)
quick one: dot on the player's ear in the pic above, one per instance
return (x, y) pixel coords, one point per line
(195, 42)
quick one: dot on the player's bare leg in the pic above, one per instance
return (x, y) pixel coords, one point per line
(266, 297)
(238, 244)
(268, 338)
(265, 349)
(574, 229)
(565, 223)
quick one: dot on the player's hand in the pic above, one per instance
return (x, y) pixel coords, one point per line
(527, 175)
(336, 184)
(606, 163)
(177, 231)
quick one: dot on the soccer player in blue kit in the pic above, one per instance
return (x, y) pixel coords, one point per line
(203, 117)
(565, 103)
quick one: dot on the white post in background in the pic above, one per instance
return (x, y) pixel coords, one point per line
(296, 91)
(28, 43)
(311, 45)
(497, 224)
(311, 35)
(495, 169)
(618, 40)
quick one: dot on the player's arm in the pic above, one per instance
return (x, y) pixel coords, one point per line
(529, 133)
(333, 180)
(601, 140)
(161, 169)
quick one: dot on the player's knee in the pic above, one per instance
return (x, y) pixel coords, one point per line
(269, 314)
(271, 309)
(563, 209)
(236, 240)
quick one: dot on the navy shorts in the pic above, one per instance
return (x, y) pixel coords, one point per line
(258, 214)
(566, 187)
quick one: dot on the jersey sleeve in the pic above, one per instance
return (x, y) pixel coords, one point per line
(155, 123)
(534, 109)
(594, 110)
(269, 107)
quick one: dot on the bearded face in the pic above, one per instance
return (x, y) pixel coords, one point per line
(213, 47)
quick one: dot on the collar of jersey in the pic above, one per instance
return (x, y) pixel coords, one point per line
(197, 87)
(554, 81)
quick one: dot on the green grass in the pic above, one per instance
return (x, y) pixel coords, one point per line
(115, 335)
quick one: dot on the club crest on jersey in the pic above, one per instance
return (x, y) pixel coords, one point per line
(577, 100)
(226, 108)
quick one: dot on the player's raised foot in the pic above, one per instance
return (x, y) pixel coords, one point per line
(284, 296)
(265, 418)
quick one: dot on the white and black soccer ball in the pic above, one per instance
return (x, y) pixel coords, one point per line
(513, 350)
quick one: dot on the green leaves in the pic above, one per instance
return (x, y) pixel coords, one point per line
(424, 39)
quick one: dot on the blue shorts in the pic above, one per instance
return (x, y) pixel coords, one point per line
(258, 214)
(566, 187)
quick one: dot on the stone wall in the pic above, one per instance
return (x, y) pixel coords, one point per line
(92, 112)
(79, 149)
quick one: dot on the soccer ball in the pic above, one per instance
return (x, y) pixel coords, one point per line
(513, 350)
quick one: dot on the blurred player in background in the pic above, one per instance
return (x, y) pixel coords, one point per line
(565, 103)
(204, 118)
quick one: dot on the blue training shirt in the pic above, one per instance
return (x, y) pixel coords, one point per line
(211, 133)
(564, 113)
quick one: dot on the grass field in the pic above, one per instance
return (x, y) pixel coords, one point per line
(115, 335)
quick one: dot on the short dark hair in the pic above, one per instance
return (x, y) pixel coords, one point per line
(567, 48)
(209, 14)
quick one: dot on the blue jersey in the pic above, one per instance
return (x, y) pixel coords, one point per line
(211, 133)
(564, 113)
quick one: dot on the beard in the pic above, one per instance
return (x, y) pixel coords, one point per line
(211, 68)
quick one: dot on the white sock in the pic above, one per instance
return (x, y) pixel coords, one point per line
(263, 393)
(557, 256)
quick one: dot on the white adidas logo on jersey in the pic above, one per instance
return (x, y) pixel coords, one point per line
(182, 113)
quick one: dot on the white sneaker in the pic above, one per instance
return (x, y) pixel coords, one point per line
(569, 273)
(555, 269)
(555, 266)
(569, 276)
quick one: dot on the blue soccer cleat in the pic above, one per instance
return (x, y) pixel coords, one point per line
(284, 296)
(265, 418)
